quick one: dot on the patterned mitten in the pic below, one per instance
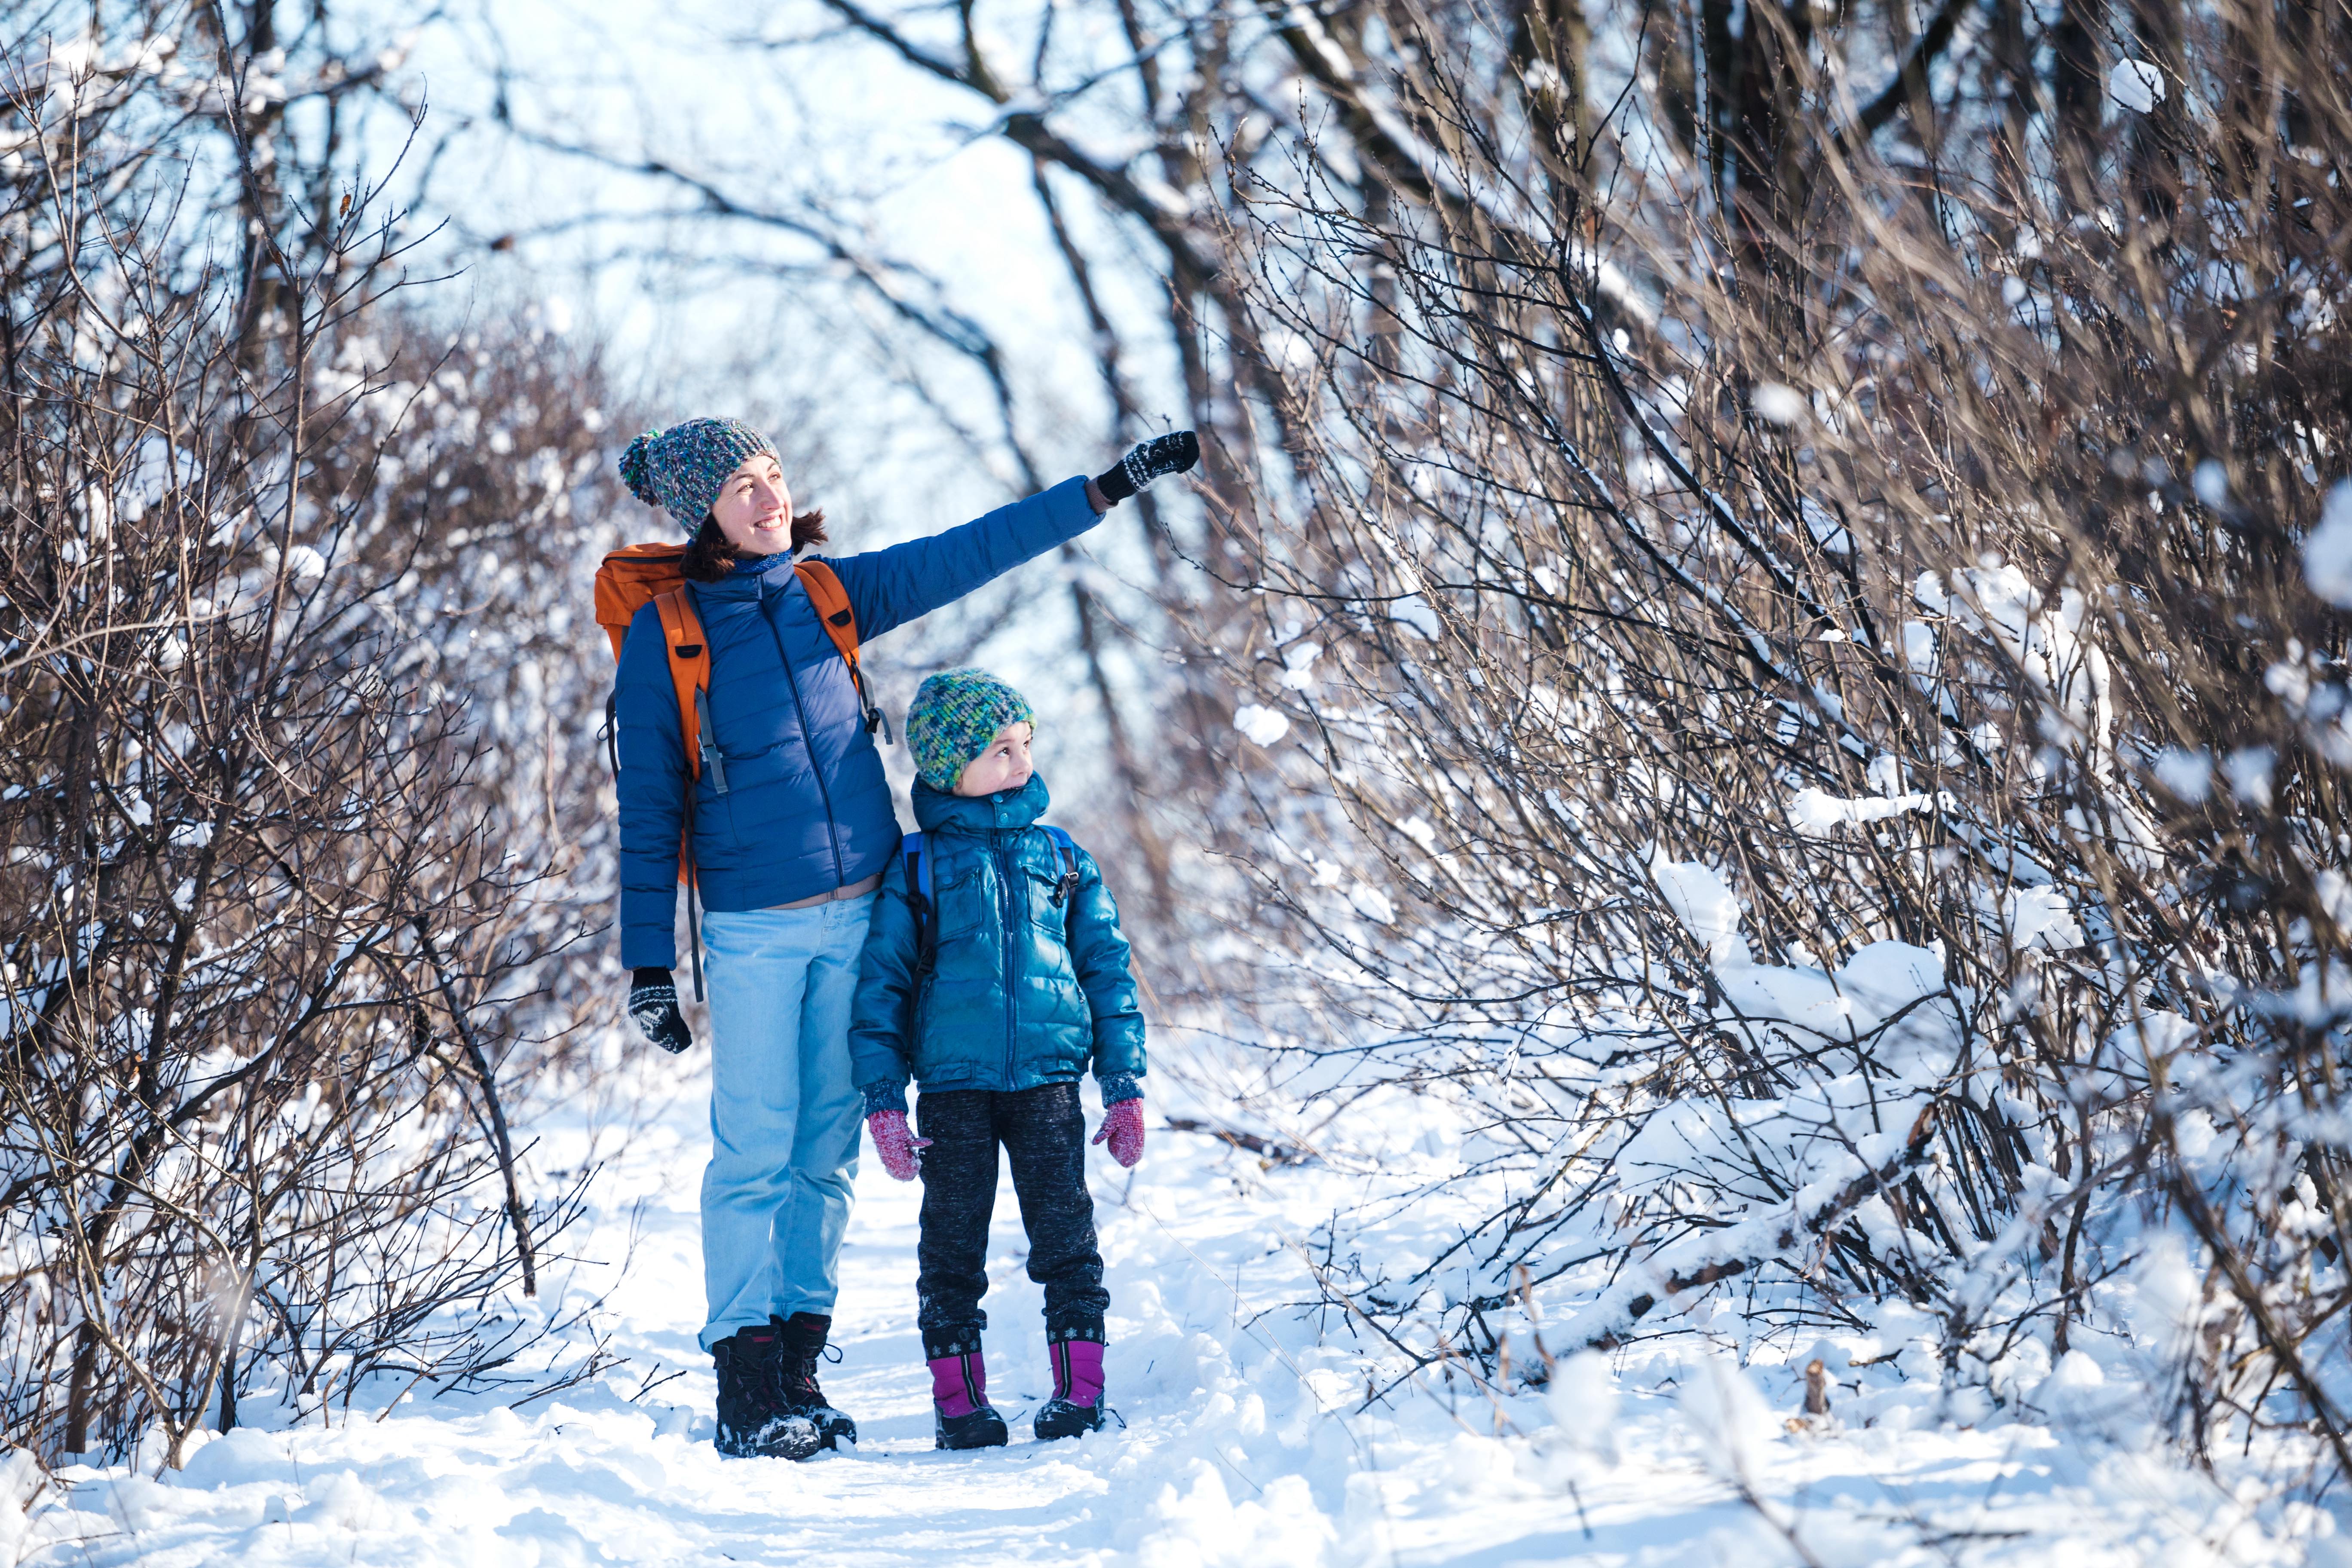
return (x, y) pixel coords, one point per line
(1172, 454)
(653, 1008)
(1122, 1127)
(895, 1144)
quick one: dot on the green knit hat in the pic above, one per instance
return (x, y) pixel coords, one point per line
(681, 468)
(955, 714)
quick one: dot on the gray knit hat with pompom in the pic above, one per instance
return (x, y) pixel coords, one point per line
(682, 468)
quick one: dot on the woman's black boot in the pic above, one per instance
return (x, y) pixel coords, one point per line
(803, 1336)
(752, 1422)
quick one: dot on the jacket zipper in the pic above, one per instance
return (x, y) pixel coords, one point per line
(1004, 901)
(808, 743)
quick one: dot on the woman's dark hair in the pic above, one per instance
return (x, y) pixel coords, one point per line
(709, 557)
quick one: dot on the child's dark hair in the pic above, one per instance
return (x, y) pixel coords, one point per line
(709, 557)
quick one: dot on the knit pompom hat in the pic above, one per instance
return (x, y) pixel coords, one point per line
(682, 468)
(955, 714)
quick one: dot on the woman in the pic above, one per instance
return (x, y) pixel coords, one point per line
(787, 860)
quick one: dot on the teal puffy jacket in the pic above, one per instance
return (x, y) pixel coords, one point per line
(1020, 990)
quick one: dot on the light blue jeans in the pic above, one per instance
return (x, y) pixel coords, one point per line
(783, 1112)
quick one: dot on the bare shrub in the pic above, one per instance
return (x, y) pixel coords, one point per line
(283, 826)
(1787, 690)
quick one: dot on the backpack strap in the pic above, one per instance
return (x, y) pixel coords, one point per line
(689, 673)
(919, 898)
(823, 585)
(1066, 887)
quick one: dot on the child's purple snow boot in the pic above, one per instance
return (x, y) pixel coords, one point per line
(1077, 1407)
(752, 1424)
(802, 1336)
(964, 1417)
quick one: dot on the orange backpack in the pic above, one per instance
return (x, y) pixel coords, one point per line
(636, 574)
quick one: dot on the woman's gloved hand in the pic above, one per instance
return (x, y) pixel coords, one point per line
(653, 1008)
(1170, 453)
(897, 1146)
(1122, 1127)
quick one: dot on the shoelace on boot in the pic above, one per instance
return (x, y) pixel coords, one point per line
(798, 1372)
(800, 1347)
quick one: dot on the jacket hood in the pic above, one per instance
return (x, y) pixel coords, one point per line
(1006, 811)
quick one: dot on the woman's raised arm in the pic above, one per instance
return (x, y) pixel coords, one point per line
(889, 587)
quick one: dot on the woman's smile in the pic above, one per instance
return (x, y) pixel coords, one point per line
(754, 509)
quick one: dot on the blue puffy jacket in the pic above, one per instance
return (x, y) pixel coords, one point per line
(807, 809)
(1019, 988)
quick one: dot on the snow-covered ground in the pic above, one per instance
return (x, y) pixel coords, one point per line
(1248, 1438)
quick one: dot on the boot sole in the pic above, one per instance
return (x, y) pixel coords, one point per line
(833, 1427)
(786, 1437)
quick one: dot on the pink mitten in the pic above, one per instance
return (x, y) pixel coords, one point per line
(896, 1144)
(1123, 1126)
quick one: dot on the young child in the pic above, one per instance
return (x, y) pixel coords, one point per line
(995, 974)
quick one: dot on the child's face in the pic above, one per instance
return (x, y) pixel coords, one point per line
(1004, 765)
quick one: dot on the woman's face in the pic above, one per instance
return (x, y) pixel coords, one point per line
(754, 509)
(1004, 765)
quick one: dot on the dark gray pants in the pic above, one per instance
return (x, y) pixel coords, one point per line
(1044, 1132)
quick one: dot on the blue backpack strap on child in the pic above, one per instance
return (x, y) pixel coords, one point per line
(919, 870)
(1067, 886)
(918, 897)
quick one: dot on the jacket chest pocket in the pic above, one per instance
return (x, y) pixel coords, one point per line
(1048, 909)
(963, 901)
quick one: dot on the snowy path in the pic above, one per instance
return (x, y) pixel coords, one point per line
(589, 1477)
(1245, 1443)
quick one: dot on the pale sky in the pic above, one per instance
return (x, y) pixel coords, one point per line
(666, 81)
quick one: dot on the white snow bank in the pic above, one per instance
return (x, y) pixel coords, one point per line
(1851, 1003)
(1702, 904)
(1878, 982)
(2038, 917)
